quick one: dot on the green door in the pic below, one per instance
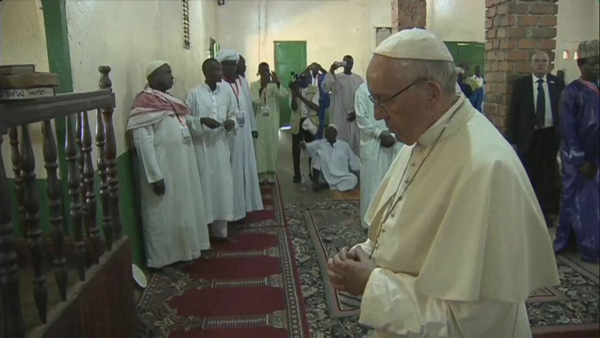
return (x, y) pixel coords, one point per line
(468, 54)
(290, 56)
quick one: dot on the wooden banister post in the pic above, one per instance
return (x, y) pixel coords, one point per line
(9, 278)
(55, 205)
(110, 152)
(32, 219)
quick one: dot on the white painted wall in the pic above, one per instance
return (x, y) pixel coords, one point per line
(577, 21)
(24, 41)
(126, 35)
(331, 29)
(334, 28)
(454, 20)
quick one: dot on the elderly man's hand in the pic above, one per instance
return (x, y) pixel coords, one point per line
(336, 267)
(350, 271)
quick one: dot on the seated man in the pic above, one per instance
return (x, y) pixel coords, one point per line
(334, 164)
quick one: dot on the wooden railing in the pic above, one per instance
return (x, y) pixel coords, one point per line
(15, 117)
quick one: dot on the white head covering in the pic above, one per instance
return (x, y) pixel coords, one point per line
(416, 44)
(227, 55)
(153, 65)
(332, 125)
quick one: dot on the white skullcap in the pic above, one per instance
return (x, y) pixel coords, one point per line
(228, 55)
(153, 65)
(416, 44)
(333, 126)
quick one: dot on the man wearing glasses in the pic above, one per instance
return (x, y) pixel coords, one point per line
(457, 240)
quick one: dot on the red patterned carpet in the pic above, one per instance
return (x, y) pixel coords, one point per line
(249, 288)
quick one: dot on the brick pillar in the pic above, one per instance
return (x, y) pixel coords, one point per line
(514, 30)
(408, 14)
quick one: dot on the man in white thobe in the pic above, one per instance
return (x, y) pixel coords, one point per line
(457, 240)
(378, 148)
(334, 164)
(173, 215)
(343, 89)
(246, 197)
(212, 108)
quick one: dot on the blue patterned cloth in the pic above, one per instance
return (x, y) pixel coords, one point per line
(580, 202)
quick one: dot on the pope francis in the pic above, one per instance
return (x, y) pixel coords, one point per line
(457, 240)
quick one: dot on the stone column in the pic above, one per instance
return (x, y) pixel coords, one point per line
(515, 29)
(408, 14)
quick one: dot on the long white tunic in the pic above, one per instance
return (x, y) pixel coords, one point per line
(267, 123)
(246, 190)
(466, 244)
(212, 147)
(337, 163)
(375, 160)
(343, 89)
(175, 227)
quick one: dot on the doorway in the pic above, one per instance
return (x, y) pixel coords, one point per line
(468, 54)
(290, 57)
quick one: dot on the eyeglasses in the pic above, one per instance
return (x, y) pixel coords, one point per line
(380, 103)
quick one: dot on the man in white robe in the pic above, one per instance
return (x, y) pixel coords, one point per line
(246, 196)
(333, 162)
(173, 215)
(241, 72)
(378, 148)
(457, 240)
(343, 89)
(212, 108)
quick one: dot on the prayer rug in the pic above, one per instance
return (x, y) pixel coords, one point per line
(272, 214)
(248, 288)
(319, 230)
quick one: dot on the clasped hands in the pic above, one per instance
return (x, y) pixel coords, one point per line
(349, 270)
(212, 123)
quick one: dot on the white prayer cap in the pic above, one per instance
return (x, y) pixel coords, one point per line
(228, 55)
(153, 65)
(333, 126)
(416, 44)
(588, 49)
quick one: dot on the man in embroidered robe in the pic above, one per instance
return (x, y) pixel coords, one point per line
(266, 94)
(580, 125)
(173, 214)
(457, 240)
(343, 89)
(246, 196)
(212, 121)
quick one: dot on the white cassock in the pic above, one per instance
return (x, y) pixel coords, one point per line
(375, 160)
(343, 89)
(213, 151)
(460, 252)
(337, 163)
(174, 224)
(246, 196)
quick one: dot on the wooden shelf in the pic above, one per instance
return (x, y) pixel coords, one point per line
(18, 112)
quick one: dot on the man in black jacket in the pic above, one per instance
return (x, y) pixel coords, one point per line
(533, 129)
